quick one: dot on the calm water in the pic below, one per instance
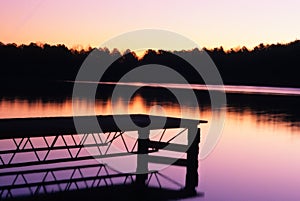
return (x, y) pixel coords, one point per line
(256, 158)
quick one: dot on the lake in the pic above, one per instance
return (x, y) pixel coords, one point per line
(257, 156)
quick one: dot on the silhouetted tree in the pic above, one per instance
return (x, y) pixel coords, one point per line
(40, 68)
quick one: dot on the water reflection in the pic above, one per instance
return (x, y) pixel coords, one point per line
(19, 108)
(257, 157)
(254, 160)
(270, 109)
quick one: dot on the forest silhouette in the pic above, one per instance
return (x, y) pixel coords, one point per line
(41, 70)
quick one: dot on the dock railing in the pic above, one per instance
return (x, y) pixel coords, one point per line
(46, 155)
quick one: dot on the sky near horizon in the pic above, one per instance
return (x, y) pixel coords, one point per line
(210, 23)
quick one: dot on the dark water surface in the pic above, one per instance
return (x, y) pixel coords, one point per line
(256, 158)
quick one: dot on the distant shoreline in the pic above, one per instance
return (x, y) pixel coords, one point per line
(35, 70)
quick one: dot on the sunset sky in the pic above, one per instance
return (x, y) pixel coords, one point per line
(210, 23)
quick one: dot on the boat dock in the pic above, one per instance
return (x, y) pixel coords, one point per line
(41, 156)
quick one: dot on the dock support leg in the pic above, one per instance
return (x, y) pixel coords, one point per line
(191, 180)
(142, 158)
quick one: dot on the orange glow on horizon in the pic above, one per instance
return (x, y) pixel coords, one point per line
(90, 24)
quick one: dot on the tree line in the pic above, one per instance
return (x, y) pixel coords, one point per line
(42, 69)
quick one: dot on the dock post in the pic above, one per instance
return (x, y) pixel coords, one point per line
(142, 158)
(191, 180)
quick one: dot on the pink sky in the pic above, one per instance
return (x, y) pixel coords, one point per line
(211, 23)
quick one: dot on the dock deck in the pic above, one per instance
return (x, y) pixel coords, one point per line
(19, 137)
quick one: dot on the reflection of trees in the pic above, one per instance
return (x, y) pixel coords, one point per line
(277, 108)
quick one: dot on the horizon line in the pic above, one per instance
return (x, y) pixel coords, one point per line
(89, 47)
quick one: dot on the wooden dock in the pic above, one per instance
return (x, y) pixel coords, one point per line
(21, 133)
